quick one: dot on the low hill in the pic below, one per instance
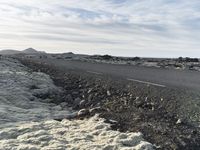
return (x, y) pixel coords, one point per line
(26, 51)
(30, 51)
(9, 52)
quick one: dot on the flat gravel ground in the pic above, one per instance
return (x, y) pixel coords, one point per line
(168, 117)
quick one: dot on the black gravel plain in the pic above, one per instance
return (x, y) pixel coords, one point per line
(159, 113)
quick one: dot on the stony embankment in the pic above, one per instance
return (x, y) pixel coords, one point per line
(176, 63)
(127, 106)
(33, 117)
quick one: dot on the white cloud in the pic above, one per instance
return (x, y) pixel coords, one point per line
(130, 27)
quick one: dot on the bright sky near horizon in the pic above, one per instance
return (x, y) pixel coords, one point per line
(150, 28)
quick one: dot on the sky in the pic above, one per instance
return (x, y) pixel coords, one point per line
(148, 28)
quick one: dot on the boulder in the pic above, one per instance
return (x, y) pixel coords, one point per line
(83, 112)
(77, 101)
(94, 110)
(82, 103)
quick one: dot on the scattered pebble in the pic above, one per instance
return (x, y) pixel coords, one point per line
(179, 121)
(108, 93)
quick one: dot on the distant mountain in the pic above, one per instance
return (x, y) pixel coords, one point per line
(26, 51)
(30, 51)
(9, 52)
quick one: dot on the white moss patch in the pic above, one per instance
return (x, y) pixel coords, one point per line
(85, 134)
(18, 95)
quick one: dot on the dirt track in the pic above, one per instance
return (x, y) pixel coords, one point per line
(153, 111)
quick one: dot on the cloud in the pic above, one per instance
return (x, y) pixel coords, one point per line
(165, 28)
